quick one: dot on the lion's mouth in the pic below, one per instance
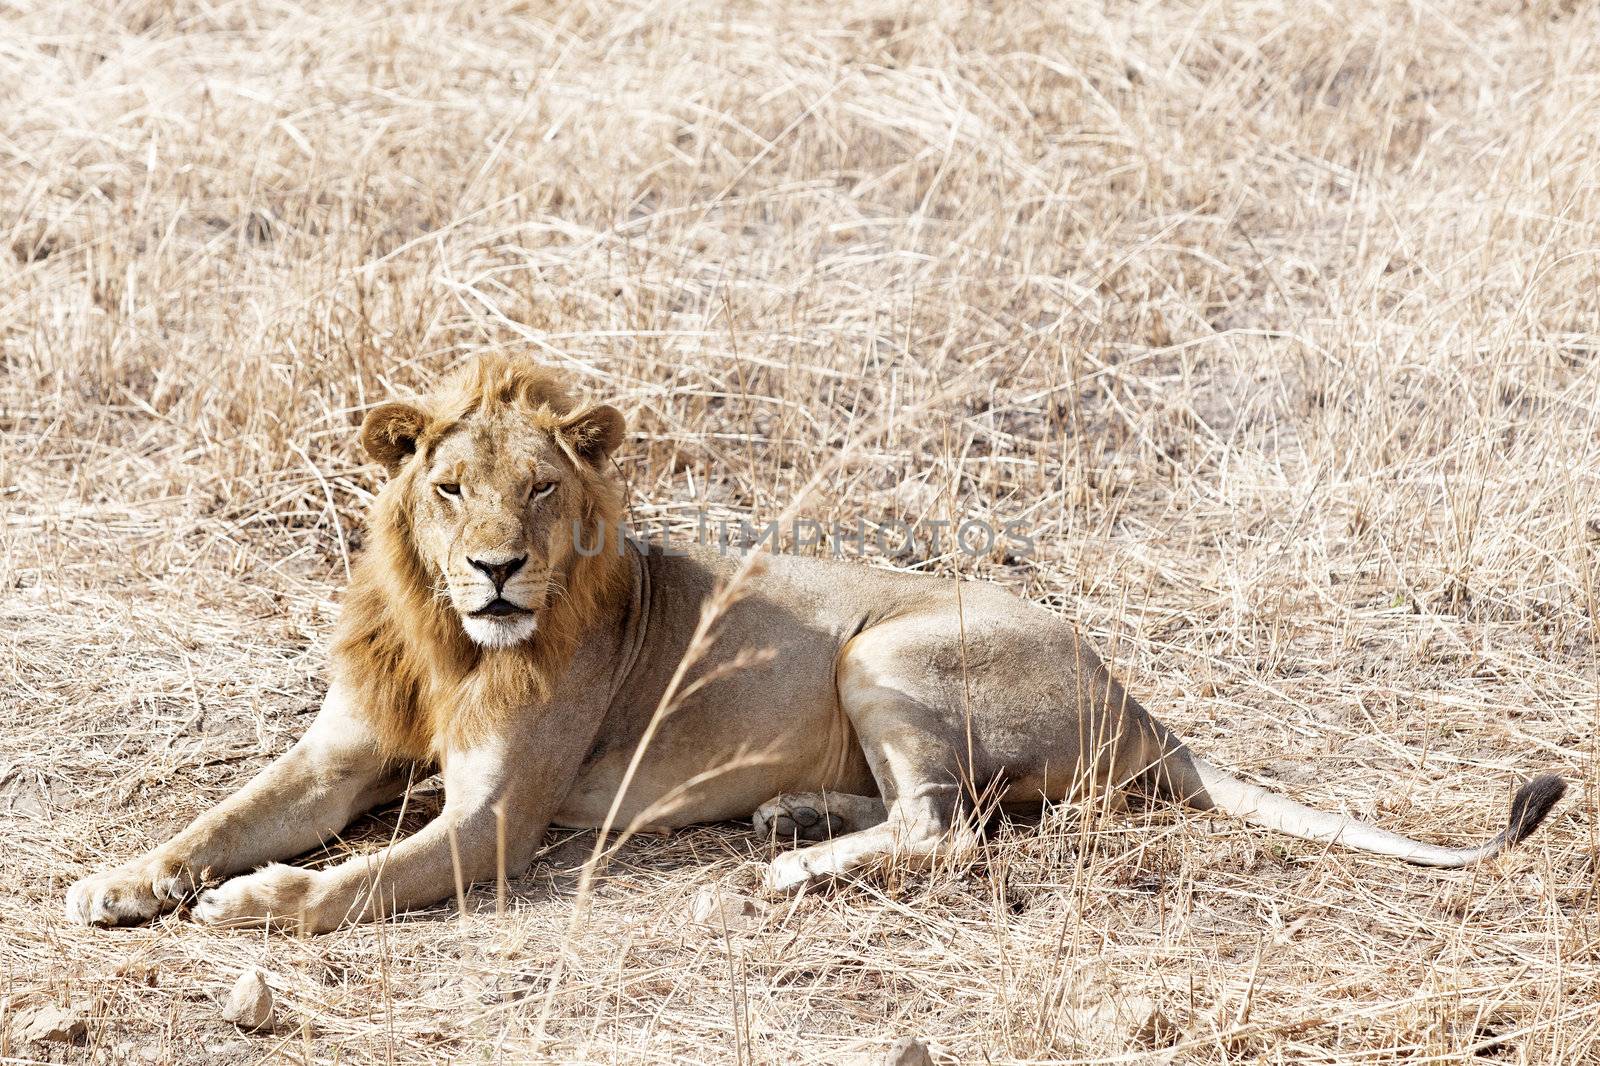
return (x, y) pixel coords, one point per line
(499, 607)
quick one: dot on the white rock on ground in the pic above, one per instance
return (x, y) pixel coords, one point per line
(712, 906)
(55, 1024)
(249, 1005)
(908, 1051)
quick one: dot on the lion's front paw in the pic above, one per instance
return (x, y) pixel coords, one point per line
(791, 872)
(277, 896)
(127, 895)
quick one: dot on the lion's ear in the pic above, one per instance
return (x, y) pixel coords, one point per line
(595, 432)
(390, 432)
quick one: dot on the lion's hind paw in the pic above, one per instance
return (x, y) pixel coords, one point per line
(797, 816)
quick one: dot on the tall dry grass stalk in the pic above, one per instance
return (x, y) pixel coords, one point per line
(1275, 323)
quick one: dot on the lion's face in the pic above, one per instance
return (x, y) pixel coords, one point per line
(490, 516)
(496, 501)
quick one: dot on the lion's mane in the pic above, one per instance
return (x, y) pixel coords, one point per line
(400, 648)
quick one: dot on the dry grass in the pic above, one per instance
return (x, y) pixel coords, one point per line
(1277, 323)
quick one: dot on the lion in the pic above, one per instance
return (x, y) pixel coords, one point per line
(495, 631)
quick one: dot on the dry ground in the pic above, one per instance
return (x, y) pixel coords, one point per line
(1275, 322)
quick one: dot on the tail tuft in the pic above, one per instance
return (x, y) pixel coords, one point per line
(1531, 804)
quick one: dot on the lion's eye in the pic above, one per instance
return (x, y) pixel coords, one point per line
(541, 489)
(448, 489)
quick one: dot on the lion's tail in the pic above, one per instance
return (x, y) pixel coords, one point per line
(1191, 780)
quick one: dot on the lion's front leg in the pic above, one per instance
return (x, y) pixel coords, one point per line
(295, 803)
(413, 873)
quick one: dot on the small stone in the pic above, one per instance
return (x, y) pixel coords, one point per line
(713, 907)
(55, 1024)
(249, 1005)
(908, 1051)
(1156, 1031)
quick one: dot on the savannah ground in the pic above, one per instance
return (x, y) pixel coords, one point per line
(1276, 323)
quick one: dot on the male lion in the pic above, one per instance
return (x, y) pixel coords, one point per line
(483, 634)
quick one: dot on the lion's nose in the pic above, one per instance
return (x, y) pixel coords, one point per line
(499, 573)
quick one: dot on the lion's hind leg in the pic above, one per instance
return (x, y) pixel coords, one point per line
(913, 753)
(916, 829)
(816, 816)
